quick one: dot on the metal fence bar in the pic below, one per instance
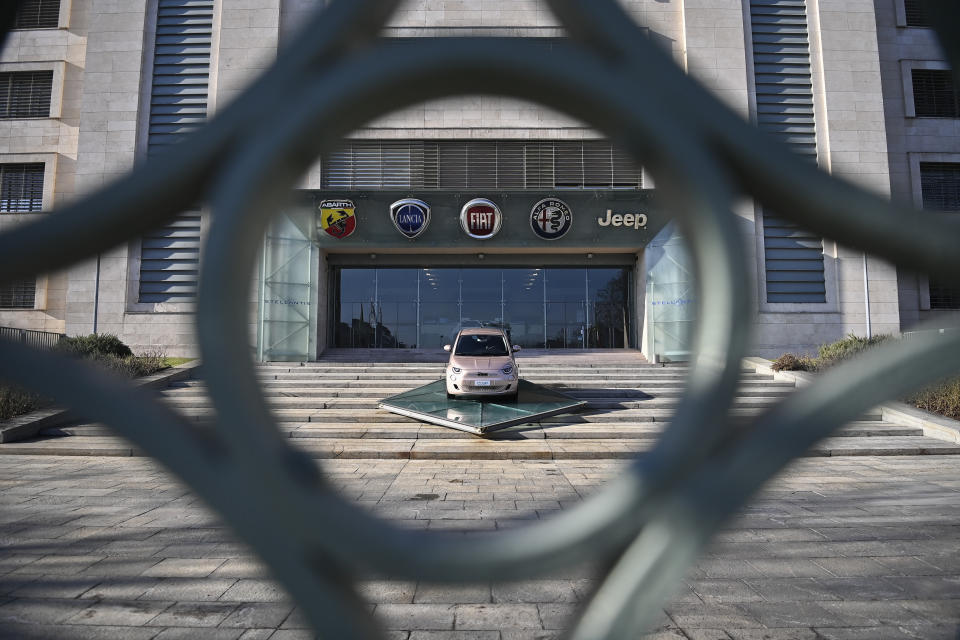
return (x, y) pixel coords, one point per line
(31, 338)
(648, 524)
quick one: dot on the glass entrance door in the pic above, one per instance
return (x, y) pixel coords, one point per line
(552, 308)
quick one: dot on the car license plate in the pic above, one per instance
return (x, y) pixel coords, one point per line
(481, 383)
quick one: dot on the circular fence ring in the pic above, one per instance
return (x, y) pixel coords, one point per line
(264, 175)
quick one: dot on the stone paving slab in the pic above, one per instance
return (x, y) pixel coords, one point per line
(852, 548)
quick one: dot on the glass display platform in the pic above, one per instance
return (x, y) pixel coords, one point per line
(430, 403)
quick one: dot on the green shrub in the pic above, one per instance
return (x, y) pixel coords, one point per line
(836, 352)
(135, 366)
(15, 401)
(105, 350)
(95, 345)
(943, 399)
(790, 362)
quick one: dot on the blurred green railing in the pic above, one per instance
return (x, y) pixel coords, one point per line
(648, 524)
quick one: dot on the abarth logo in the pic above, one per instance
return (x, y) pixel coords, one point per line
(410, 216)
(338, 218)
(481, 219)
(551, 218)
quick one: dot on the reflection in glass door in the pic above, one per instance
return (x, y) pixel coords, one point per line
(557, 308)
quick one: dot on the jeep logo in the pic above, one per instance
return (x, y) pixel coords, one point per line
(635, 220)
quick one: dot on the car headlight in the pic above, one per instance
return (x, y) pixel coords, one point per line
(507, 369)
(456, 369)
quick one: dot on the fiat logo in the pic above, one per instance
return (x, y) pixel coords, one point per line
(481, 219)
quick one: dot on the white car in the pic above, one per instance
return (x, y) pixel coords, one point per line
(482, 363)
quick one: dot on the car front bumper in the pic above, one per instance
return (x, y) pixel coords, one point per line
(497, 385)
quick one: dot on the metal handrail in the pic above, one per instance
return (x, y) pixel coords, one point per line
(648, 524)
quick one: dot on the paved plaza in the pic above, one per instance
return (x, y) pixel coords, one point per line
(857, 548)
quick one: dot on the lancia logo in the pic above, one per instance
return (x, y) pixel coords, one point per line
(481, 219)
(551, 218)
(338, 218)
(410, 216)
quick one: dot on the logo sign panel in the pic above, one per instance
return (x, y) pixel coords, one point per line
(635, 220)
(410, 216)
(481, 219)
(551, 218)
(338, 217)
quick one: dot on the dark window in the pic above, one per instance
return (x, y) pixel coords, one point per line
(940, 186)
(38, 14)
(18, 294)
(916, 13)
(495, 164)
(21, 187)
(567, 308)
(481, 345)
(25, 94)
(934, 94)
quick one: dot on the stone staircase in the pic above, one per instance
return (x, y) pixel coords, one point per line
(329, 409)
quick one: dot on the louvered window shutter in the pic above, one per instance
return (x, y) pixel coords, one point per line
(21, 190)
(21, 187)
(18, 294)
(934, 94)
(784, 92)
(494, 164)
(170, 256)
(940, 186)
(916, 14)
(37, 14)
(25, 94)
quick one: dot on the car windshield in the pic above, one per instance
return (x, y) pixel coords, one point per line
(481, 345)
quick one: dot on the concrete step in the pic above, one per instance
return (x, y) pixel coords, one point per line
(183, 396)
(389, 386)
(487, 449)
(574, 381)
(350, 415)
(283, 403)
(417, 430)
(527, 366)
(330, 411)
(568, 372)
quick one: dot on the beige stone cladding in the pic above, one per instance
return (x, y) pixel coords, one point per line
(113, 140)
(51, 140)
(108, 148)
(106, 58)
(912, 139)
(486, 116)
(851, 138)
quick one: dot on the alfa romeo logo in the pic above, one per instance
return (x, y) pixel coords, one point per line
(551, 218)
(338, 218)
(480, 219)
(410, 216)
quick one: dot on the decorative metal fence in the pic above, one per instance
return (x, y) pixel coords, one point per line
(648, 524)
(31, 338)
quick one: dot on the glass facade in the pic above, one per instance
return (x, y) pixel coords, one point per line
(287, 327)
(670, 296)
(554, 308)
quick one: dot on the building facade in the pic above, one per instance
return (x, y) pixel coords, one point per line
(476, 209)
